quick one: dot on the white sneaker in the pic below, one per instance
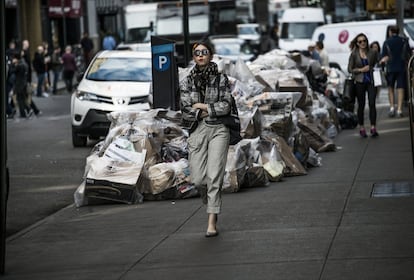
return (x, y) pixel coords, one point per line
(391, 113)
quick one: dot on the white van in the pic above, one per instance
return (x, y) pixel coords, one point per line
(297, 26)
(337, 36)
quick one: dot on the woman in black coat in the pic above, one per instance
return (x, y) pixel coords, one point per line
(361, 64)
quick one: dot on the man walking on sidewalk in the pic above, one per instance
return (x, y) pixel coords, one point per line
(395, 54)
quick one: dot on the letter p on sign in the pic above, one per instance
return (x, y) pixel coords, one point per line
(162, 62)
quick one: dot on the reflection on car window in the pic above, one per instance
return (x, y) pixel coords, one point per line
(121, 69)
(246, 30)
(409, 27)
(232, 49)
(298, 30)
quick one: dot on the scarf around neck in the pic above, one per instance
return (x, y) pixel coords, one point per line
(201, 77)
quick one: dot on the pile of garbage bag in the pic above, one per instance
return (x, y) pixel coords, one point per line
(285, 125)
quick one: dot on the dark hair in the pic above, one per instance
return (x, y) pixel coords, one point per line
(377, 44)
(394, 29)
(205, 44)
(17, 55)
(319, 44)
(354, 41)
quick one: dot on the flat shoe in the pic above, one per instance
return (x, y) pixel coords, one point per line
(211, 234)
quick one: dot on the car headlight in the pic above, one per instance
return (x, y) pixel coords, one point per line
(86, 96)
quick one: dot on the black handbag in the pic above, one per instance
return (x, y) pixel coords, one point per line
(348, 94)
(349, 89)
(232, 121)
(189, 125)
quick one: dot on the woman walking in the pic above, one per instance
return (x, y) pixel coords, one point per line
(205, 97)
(361, 63)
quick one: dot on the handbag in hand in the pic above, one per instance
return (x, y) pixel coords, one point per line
(379, 77)
(349, 89)
(189, 125)
(232, 121)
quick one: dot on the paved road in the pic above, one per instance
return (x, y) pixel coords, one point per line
(322, 226)
(44, 167)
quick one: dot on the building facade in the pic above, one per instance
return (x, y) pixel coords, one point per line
(62, 22)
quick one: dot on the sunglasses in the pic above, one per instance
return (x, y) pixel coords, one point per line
(361, 41)
(201, 52)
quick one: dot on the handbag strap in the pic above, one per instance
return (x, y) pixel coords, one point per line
(233, 105)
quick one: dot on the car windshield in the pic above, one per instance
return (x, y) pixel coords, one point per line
(139, 35)
(247, 30)
(130, 69)
(409, 27)
(298, 30)
(227, 48)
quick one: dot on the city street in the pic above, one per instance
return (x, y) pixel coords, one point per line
(325, 225)
(44, 168)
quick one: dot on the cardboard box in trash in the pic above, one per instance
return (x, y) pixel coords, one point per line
(112, 191)
(294, 85)
(110, 178)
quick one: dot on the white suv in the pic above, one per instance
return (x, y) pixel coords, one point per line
(114, 81)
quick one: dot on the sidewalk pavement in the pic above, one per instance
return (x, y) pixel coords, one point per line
(325, 225)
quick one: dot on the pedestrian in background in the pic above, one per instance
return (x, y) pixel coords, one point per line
(20, 70)
(323, 55)
(313, 53)
(69, 68)
(395, 55)
(376, 47)
(56, 63)
(274, 36)
(87, 48)
(205, 97)
(10, 79)
(24, 102)
(48, 63)
(361, 63)
(39, 65)
(108, 42)
(27, 59)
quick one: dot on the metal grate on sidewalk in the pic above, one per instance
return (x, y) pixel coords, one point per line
(393, 189)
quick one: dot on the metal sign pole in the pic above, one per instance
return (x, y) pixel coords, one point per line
(186, 33)
(410, 80)
(3, 152)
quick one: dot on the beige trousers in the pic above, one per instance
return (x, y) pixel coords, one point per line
(208, 146)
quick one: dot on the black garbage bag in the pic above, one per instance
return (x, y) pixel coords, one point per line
(347, 119)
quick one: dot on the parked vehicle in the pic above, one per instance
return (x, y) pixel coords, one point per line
(337, 36)
(251, 34)
(114, 81)
(139, 21)
(297, 26)
(165, 19)
(232, 48)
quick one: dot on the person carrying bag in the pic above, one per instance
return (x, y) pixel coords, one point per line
(361, 63)
(206, 100)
